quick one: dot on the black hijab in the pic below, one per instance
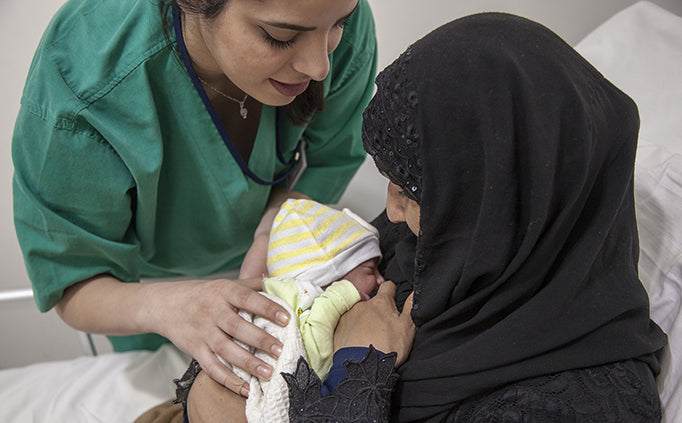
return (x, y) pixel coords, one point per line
(521, 157)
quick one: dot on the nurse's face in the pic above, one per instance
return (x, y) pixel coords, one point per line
(269, 49)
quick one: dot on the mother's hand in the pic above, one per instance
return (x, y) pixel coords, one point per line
(200, 318)
(378, 322)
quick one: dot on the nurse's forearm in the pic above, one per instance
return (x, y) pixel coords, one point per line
(198, 316)
(105, 305)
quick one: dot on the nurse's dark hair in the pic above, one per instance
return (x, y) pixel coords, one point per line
(301, 110)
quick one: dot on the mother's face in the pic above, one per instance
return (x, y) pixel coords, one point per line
(400, 208)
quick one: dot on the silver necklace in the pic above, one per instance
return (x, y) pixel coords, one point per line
(243, 111)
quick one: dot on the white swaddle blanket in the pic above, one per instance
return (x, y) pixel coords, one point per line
(268, 401)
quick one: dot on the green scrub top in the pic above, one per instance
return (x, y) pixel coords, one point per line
(120, 170)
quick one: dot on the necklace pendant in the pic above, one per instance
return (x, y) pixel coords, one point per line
(243, 111)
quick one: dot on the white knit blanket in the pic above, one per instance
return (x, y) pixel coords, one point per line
(268, 401)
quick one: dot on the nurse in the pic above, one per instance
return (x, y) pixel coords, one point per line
(158, 141)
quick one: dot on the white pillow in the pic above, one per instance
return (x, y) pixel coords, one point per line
(640, 51)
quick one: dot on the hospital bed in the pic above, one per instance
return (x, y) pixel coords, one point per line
(639, 49)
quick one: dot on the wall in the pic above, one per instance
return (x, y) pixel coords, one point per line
(28, 336)
(400, 22)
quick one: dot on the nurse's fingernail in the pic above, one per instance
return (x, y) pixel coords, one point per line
(264, 372)
(276, 350)
(245, 390)
(282, 318)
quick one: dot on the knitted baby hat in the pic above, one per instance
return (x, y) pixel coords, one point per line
(316, 243)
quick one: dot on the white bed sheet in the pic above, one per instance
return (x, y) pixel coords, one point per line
(639, 49)
(114, 388)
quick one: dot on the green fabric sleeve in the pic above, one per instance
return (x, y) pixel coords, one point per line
(72, 207)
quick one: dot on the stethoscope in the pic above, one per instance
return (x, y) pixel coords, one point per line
(296, 155)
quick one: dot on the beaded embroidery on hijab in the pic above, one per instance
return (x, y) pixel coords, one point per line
(392, 138)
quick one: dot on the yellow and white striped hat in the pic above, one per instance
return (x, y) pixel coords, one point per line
(316, 243)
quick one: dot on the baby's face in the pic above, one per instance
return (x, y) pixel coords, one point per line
(366, 278)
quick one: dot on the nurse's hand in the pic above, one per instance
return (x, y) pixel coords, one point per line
(378, 322)
(200, 318)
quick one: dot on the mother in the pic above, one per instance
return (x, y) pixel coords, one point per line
(517, 157)
(511, 159)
